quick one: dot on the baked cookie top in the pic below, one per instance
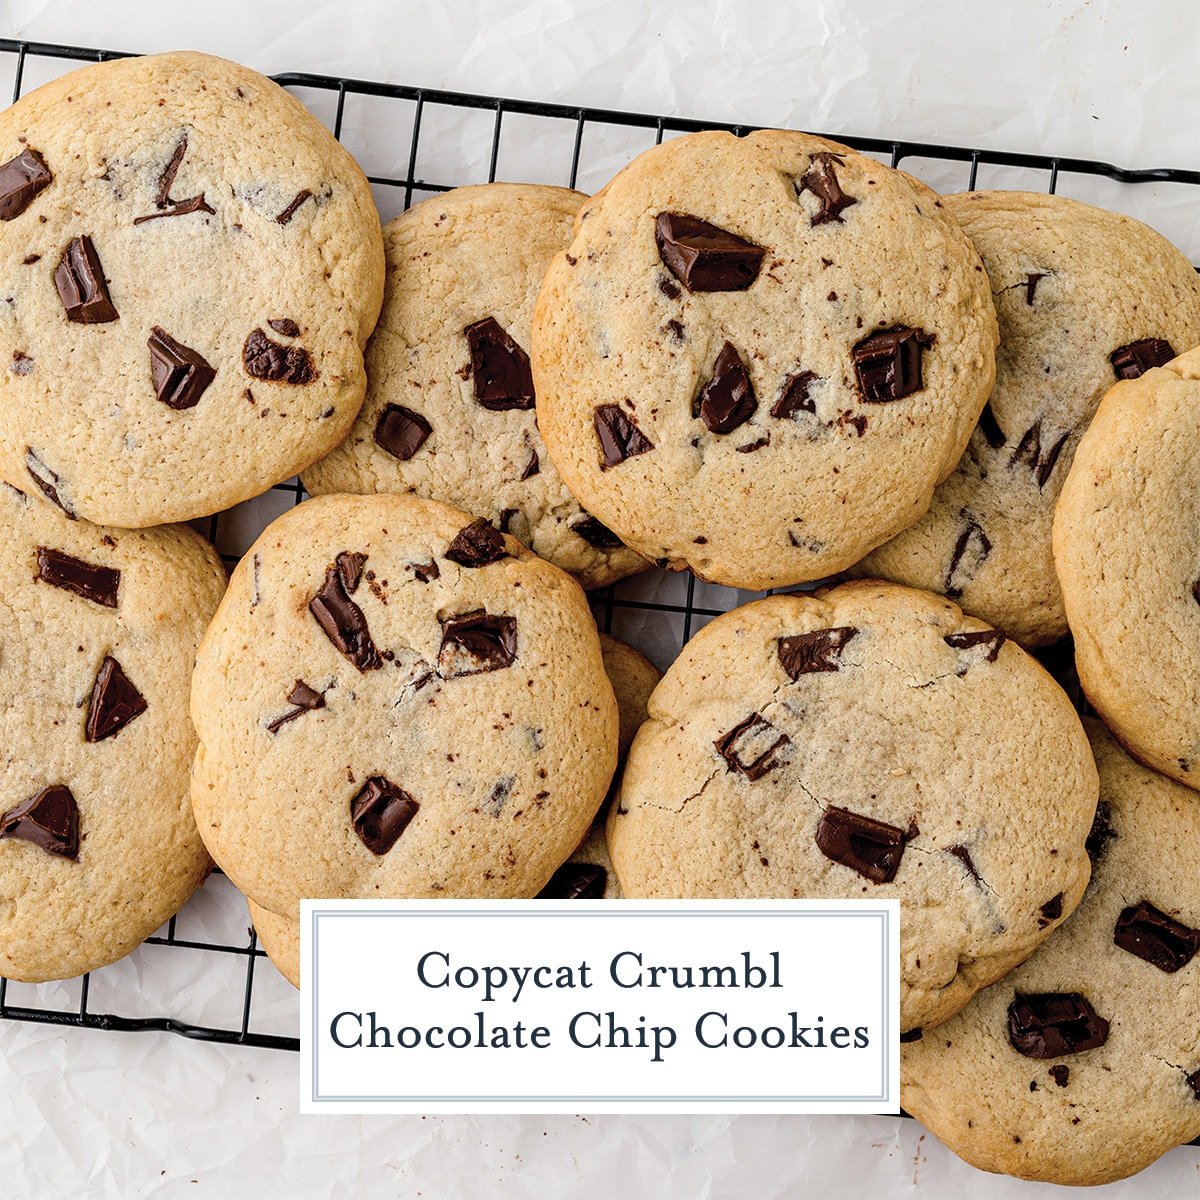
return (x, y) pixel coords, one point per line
(1083, 1065)
(586, 875)
(193, 265)
(759, 355)
(1129, 563)
(1084, 298)
(98, 630)
(866, 740)
(633, 677)
(395, 699)
(449, 412)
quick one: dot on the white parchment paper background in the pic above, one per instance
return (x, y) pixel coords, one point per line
(108, 1115)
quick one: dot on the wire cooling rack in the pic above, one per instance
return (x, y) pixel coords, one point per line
(414, 142)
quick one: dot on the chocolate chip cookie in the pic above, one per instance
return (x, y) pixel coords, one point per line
(1083, 1065)
(99, 628)
(633, 677)
(867, 740)
(395, 699)
(1084, 298)
(759, 355)
(449, 412)
(586, 875)
(1129, 563)
(192, 266)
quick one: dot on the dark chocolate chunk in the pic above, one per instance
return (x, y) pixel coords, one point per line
(426, 572)
(576, 881)
(757, 444)
(21, 179)
(872, 848)
(48, 481)
(505, 519)
(972, 535)
(912, 1035)
(475, 642)
(92, 582)
(166, 180)
(1032, 279)
(992, 638)
(1060, 1074)
(297, 200)
(81, 285)
(669, 289)
(597, 534)
(1050, 1024)
(305, 697)
(401, 432)
(380, 813)
(265, 359)
(991, 427)
(821, 179)
(753, 747)
(284, 326)
(619, 436)
(704, 257)
(178, 209)
(1101, 833)
(532, 466)
(1029, 451)
(350, 567)
(964, 856)
(499, 368)
(1193, 1081)
(179, 375)
(343, 621)
(793, 396)
(887, 363)
(1134, 360)
(1051, 910)
(50, 820)
(114, 703)
(305, 700)
(1159, 939)
(808, 653)
(477, 545)
(727, 400)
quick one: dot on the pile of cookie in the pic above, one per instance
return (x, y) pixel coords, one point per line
(768, 360)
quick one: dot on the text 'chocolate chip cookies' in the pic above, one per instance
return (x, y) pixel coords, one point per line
(191, 285)
(397, 700)
(449, 412)
(867, 741)
(1084, 298)
(99, 628)
(1083, 1066)
(1125, 545)
(760, 355)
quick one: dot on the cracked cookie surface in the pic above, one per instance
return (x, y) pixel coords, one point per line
(450, 409)
(588, 874)
(759, 355)
(98, 629)
(1083, 1065)
(858, 742)
(1084, 297)
(397, 700)
(191, 276)
(1126, 553)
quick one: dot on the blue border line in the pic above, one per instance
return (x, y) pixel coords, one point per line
(623, 910)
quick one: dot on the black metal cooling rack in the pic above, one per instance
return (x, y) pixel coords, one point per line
(426, 104)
